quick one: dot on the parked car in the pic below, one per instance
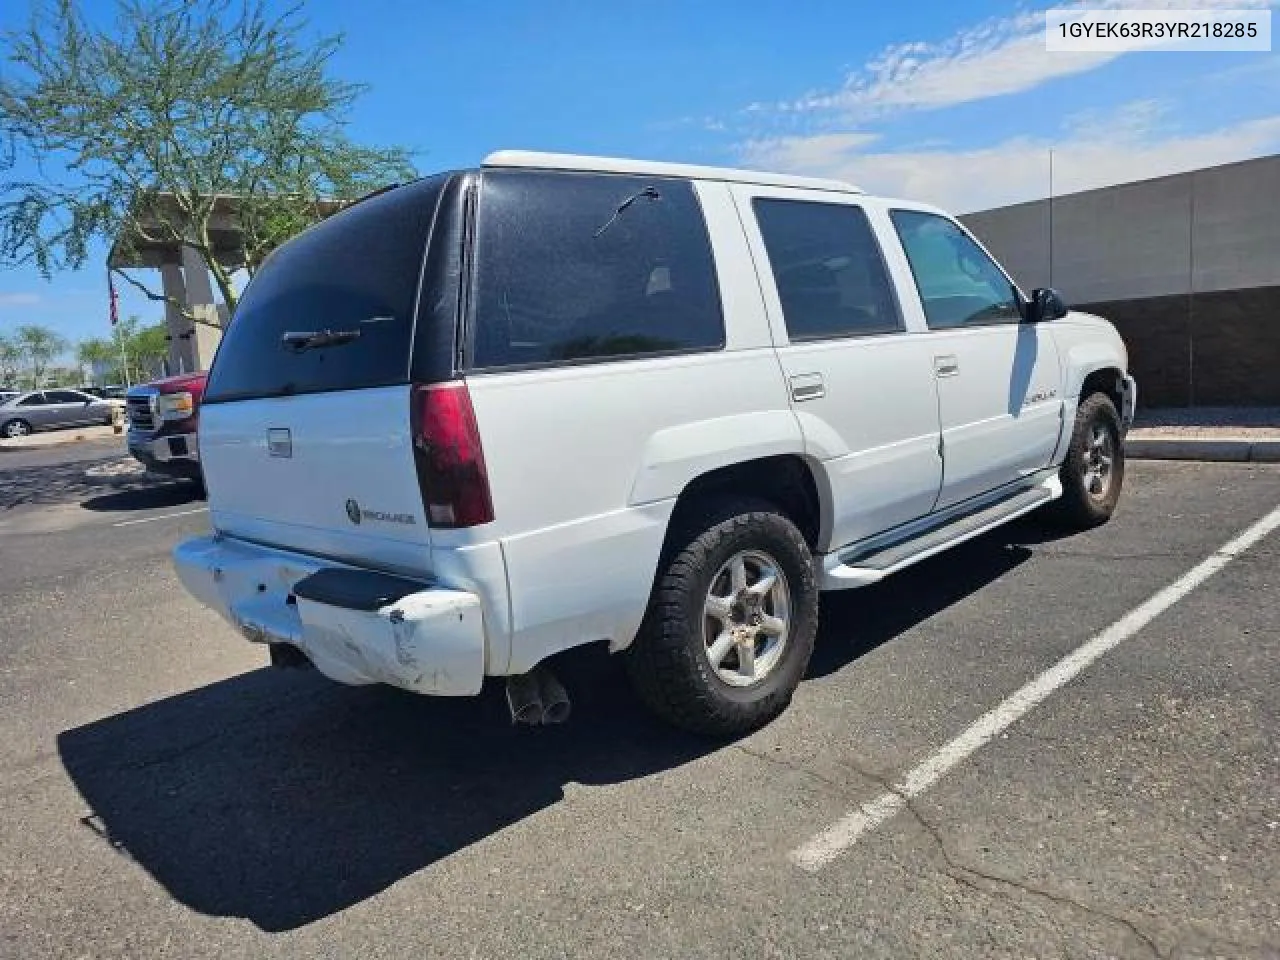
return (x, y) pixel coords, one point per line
(113, 395)
(163, 418)
(34, 410)
(560, 400)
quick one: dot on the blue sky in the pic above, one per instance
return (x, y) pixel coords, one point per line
(943, 100)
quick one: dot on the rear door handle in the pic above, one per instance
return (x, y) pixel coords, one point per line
(946, 366)
(807, 386)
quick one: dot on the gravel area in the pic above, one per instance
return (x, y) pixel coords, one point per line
(1217, 423)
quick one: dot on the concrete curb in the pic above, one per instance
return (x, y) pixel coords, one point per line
(59, 438)
(1232, 450)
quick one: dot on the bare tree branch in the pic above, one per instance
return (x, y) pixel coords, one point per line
(150, 294)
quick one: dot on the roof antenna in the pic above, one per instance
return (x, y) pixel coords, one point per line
(1051, 216)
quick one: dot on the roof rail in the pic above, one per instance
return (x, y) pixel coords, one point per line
(527, 159)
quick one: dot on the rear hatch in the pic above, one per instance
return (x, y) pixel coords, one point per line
(305, 431)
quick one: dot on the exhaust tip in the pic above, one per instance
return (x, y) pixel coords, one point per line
(524, 700)
(555, 699)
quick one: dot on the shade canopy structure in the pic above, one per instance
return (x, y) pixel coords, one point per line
(144, 248)
(150, 244)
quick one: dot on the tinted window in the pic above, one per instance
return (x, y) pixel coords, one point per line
(579, 266)
(66, 396)
(35, 400)
(826, 263)
(354, 273)
(959, 284)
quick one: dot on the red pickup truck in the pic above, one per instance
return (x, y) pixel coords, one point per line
(163, 417)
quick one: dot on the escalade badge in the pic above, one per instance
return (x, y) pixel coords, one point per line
(357, 513)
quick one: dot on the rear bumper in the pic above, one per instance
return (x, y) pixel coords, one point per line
(429, 641)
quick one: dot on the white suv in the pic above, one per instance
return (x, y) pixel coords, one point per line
(490, 415)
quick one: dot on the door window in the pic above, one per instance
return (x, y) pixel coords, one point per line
(959, 284)
(66, 396)
(35, 400)
(830, 275)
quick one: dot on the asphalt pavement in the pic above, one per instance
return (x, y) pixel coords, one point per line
(166, 795)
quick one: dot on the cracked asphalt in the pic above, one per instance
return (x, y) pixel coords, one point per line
(165, 795)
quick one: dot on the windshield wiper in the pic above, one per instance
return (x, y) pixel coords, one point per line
(308, 340)
(650, 192)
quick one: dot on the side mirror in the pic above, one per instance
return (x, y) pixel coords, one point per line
(1045, 304)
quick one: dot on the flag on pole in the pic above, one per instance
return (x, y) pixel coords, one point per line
(111, 288)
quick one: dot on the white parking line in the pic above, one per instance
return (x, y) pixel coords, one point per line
(844, 833)
(163, 516)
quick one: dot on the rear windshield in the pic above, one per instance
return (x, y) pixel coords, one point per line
(355, 275)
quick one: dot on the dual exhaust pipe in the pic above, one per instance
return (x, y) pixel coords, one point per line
(537, 698)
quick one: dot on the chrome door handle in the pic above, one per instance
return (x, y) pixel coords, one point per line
(807, 386)
(946, 366)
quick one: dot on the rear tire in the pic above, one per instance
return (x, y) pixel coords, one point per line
(1093, 471)
(731, 623)
(16, 428)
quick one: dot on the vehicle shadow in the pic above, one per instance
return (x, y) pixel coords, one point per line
(855, 622)
(97, 484)
(282, 798)
(147, 495)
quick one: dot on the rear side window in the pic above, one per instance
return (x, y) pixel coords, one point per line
(354, 275)
(830, 275)
(574, 267)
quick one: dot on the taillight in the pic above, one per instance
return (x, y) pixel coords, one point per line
(450, 462)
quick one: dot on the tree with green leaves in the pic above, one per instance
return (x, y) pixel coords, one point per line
(38, 346)
(147, 347)
(133, 353)
(10, 361)
(63, 377)
(183, 122)
(99, 353)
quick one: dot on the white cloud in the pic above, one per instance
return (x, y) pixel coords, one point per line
(1127, 145)
(998, 57)
(19, 299)
(807, 153)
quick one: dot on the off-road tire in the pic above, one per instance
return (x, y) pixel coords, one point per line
(1078, 508)
(668, 663)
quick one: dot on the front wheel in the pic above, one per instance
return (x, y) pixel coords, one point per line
(731, 624)
(1093, 471)
(16, 428)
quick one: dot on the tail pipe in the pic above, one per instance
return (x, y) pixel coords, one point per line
(555, 699)
(524, 700)
(537, 698)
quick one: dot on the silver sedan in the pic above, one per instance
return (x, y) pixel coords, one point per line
(46, 409)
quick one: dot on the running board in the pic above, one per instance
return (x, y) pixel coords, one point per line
(858, 567)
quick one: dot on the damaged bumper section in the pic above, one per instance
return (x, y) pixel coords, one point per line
(357, 626)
